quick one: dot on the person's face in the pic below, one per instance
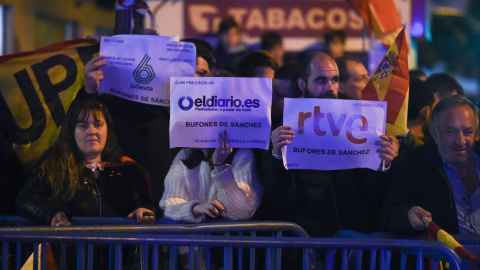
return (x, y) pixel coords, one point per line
(91, 136)
(231, 38)
(336, 48)
(201, 68)
(454, 133)
(357, 80)
(278, 53)
(323, 79)
(264, 72)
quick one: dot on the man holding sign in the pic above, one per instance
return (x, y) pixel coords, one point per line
(324, 201)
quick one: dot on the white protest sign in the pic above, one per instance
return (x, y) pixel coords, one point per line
(201, 108)
(333, 134)
(170, 38)
(140, 66)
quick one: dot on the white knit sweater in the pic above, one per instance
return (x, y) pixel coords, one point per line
(237, 187)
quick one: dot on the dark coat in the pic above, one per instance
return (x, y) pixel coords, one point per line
(418, 178)
(323, 202)
(120, 189)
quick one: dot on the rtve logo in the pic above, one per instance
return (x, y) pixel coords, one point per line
(144, 72)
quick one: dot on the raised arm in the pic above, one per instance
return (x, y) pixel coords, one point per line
(93, 75)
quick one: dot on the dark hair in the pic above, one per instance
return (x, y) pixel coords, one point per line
(196, 156)
(342, 66)
(253, 60)
(333, 34)
(226, 24)
(65, 161)
(420, 95)
(270, 40)
(289, 71)
(204, 50)
(453, 101)
(416, 74)
(444, 84)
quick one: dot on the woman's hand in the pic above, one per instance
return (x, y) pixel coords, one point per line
(93, 75)
(60, 219)
(212, 208)
(223, 150)
(144, 216)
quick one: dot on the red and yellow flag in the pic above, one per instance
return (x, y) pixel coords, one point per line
(390, 83)
(381, 16)
(436, 233)
(37, 90)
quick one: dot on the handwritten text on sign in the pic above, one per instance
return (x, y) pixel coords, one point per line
(333, 134)
(201, 108)
(139, 67)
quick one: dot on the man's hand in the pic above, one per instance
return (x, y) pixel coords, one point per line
(144, 216)
(389, 148)
(280, 137)
(93, 75)
(60, 219)
(212, 208)
(415, 217)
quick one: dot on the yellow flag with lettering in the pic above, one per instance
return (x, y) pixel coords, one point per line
(390, 83)
(37, 90)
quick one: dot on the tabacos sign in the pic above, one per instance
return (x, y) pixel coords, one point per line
(289, 18)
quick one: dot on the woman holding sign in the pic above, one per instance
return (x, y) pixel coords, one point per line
(211, 183)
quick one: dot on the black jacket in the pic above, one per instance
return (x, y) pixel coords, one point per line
(418, 178)
(323, 202)
(119, 190)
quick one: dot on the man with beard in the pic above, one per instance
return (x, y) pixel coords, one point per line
(323, 202)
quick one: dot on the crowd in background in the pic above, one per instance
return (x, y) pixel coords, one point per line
(431, 171)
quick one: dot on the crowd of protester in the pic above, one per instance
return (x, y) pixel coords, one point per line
(432, 171)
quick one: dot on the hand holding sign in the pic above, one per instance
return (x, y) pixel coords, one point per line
(223, 150)
(389, 150)
(93, 75)
(280, 138)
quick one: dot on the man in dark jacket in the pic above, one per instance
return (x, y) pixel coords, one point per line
(440, 179)
(325, 201)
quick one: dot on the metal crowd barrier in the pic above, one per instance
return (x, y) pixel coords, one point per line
(262, 240)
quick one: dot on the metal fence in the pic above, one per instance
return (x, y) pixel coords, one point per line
(238, 245)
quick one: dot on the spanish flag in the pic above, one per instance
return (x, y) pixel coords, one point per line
(435, 233)
(37, 89)
(381, 16)
(390, 83)
(51, 264)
